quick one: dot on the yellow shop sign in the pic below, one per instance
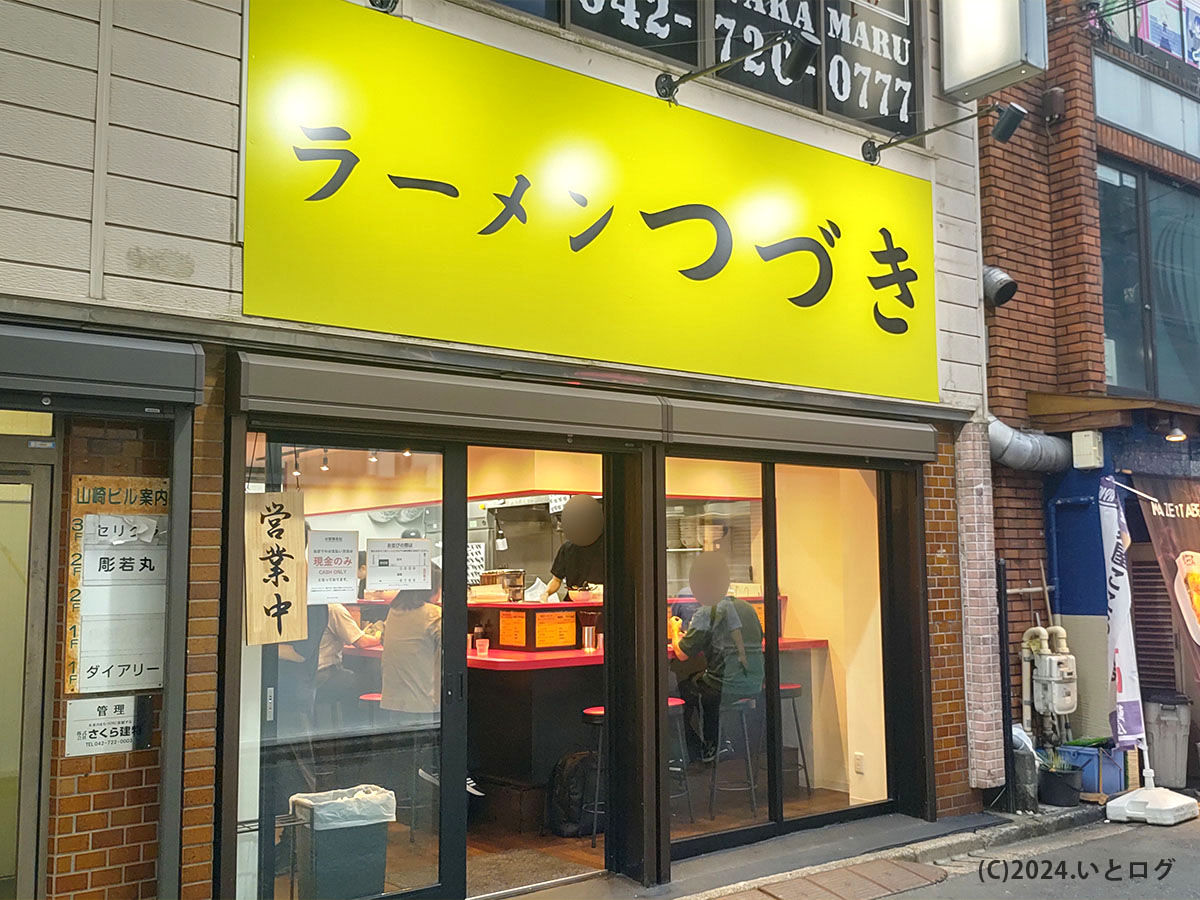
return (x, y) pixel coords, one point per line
(404, 180)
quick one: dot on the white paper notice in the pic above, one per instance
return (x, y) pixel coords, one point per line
(102, 725)
(122, 602)
(399, 565)
(332, 567)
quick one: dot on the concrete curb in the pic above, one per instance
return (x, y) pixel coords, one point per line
(1020, 828)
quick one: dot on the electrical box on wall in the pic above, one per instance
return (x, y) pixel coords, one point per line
(1087, 449)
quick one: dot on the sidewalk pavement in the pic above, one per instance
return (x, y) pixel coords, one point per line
(888, 872)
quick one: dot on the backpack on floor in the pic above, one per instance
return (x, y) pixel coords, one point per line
(571, 785)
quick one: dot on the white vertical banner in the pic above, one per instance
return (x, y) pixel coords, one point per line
(1125, 693)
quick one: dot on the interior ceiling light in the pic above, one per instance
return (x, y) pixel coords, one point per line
(802, 54)
(1176, 434)
(374, 457)
(1010, 119)
(408, 453)
(295, 462)
(325, 461)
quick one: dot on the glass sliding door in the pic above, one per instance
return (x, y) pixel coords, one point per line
(831, 705)
(716, 708)
(342, 731)
(24, 535)
(775, 709)
(537, 722)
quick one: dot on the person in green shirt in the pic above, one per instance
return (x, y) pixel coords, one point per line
(727, 631)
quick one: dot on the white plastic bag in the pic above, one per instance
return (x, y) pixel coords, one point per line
(536, 592)
(1021, 739)
(366, 804)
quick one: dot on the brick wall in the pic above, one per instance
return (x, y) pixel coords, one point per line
(103, 809)
(204, 602)
(1040, 212)
(1075, 209)
(980, 628)
(951, 777)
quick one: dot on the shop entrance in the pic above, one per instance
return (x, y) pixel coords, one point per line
(471, 697)
(25, 502)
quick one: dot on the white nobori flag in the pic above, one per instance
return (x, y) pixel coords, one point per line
(1125, 694)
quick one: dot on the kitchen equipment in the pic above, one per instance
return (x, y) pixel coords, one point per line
(512, 580)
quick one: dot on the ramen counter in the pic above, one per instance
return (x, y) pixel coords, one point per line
(536, 626)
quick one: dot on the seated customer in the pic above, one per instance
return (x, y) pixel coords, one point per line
(412, 665)
(412, 656)
(727, 631)
(335, 683)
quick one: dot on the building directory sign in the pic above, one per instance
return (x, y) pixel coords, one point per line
(106, 725)
(116, 583)
(615, 232)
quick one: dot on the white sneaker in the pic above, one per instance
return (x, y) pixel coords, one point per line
(473, 788)
(432, 777)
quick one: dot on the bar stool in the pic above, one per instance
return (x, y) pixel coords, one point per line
(740, 708)
(791, 691)
(675, 711)
(372, 704)
(594, 715)
(418, 741)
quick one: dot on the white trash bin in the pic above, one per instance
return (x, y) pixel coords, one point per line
(341, 842)
(1168, 721)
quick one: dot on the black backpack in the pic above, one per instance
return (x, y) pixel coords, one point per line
(571, 785)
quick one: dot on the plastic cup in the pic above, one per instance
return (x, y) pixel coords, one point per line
(481, 646)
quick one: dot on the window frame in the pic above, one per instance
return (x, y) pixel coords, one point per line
(706, 56)
(1145, 178)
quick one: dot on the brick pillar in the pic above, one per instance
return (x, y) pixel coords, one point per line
(981, 641)
(1075, 211)
(103, 809)
(204, 609)
(952, 783)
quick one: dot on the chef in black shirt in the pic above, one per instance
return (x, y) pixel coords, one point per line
(580, 560)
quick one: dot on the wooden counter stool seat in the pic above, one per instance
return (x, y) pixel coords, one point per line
(675, 712)
(791, 691)
(594, 716)
(741, 709)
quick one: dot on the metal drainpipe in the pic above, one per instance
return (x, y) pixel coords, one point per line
(1052, 541)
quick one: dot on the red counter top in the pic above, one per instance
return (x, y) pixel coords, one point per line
(507, 660)
(786, 644)
(535, 607)
(795, 643)
(524, 660)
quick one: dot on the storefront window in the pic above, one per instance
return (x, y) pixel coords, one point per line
(716, 706)
(1169, 268)
(537, 728)
(341, 774)
(1124, 333)
(831, 645)
(1174, 220)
